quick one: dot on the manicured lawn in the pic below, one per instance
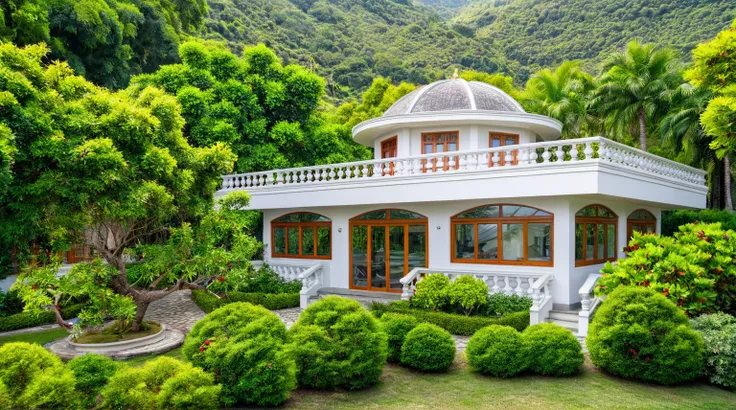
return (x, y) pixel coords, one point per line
(40, 338)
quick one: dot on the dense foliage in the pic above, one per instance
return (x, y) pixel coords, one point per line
(695, 269)
(552, 350)
(498, 351)
(397, 326)
(91, 373)
(672, 220)
(243, 345)
(431, 292)
(338, 344)
(208, 301)
(639, 334)
(429, 348)
(467, 294)
(499, 304)
(719, 337)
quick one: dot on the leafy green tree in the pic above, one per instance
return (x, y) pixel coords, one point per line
(714, 68)
(103, 167)
(637, 85)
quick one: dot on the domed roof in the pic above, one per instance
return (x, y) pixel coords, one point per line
(453, 95)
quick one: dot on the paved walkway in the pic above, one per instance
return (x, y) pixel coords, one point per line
(177, 310)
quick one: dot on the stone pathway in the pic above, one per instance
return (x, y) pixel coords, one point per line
(34, 329)
(288, 316)
(177, 310)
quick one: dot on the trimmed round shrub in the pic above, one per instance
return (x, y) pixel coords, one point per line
(719, 334)
(396, 326)
(91, 373)
(467, 294)
(428, 347)
(6, 403)
(431, 292)
(142, 388)
(552, 350)
(497, 350)
(337, 343)
(639, 334)
(244, 346)
(36, 378)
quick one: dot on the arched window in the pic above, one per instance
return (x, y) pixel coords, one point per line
(595, 235)
(525, 235)
(385, 245)
(641, 221)
(301, 235)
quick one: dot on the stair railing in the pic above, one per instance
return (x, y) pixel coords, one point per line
(309, 275)
(589, 303)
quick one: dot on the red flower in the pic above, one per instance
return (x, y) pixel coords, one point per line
(221, 278)
(207, 342)
(33, 287)
(701, 300)
(201, 349)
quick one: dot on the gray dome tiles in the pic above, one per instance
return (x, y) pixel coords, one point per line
(454, 95)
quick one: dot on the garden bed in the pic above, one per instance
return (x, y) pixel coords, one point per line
(108, 335)
(272, 301)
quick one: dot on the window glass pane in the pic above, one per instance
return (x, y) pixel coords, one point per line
(650, 229)
(510, 141)
(401, 214)
(587, 211)
(427, 149)
(293, 241)
(323, 241)
(396, 256)
(307, 241)
(611, 241)
(439, 148)
(303, 217)
(601, 241)
(590, 239)
(605, 213)
(642, 214)
(452, 146)
(578, 242)
(279, 241)
(495, 142)
(482, 212)
(417, 247)
(373, 215)
(378, 257)
(464, 241)
(515, 210)
(488, 241)
(513, 238)
(539, 246)
(360, 256)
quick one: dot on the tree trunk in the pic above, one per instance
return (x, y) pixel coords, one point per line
(642, 129)
(727, 182)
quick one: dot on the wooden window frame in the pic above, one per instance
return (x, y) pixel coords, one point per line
(500, 221)
(630, 222)
(388, 222)
(385, 147)
(595, 221)
(501, 137)
(434, 149)
(300, 225)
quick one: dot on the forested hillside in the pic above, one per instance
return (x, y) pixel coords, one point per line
(352, 41)
(544, 33)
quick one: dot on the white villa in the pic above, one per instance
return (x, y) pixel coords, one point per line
(465, 182)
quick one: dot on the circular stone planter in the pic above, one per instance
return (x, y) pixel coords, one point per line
(103, 348)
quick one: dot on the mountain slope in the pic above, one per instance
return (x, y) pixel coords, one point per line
(543, 33)
(352, 41)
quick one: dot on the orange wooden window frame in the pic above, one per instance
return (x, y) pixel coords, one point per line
(435, 143)
(630, 222)
(595, 221)
(500, 221)
(390, 149)
(300, 226)
(388, 222)
(501, 137)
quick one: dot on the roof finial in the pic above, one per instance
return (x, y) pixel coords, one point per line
(455, 75)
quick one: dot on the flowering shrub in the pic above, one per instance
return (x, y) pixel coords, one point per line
(467, 294)
(695, 269)
(719, 334)
(637, 333)
(431, 292)
(428, 347)
(552, 350)
(497, 350)
(396, 326)
(243, 345)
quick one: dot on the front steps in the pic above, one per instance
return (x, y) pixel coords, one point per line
(365, 297)
(568, 319)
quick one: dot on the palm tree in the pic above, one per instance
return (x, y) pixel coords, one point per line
(636, 86)
(562, 94)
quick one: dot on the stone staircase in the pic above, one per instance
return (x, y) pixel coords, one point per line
(363, 296)
(568, 319)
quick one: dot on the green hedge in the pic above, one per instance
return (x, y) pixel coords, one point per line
(24, 319)
(454, 323)
(672, 220)
(209, 302)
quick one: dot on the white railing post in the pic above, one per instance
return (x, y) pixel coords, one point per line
(541, 300)
(588, 302)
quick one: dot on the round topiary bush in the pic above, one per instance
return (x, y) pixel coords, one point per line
(497, 350)
(91, 373)
(719, 334)
(396, 327)
(428, 347)
(467, 294)
(552, 350)
(337, 343)
(191, 388)
(431, 292)
(639, 334)
(36, 378)
(244, 345)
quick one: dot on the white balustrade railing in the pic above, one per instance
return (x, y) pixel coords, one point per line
(589, 303)
(534, 286)
(523, 155)
(310, 275)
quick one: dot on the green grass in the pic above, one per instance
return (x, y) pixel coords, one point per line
(42, 337)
